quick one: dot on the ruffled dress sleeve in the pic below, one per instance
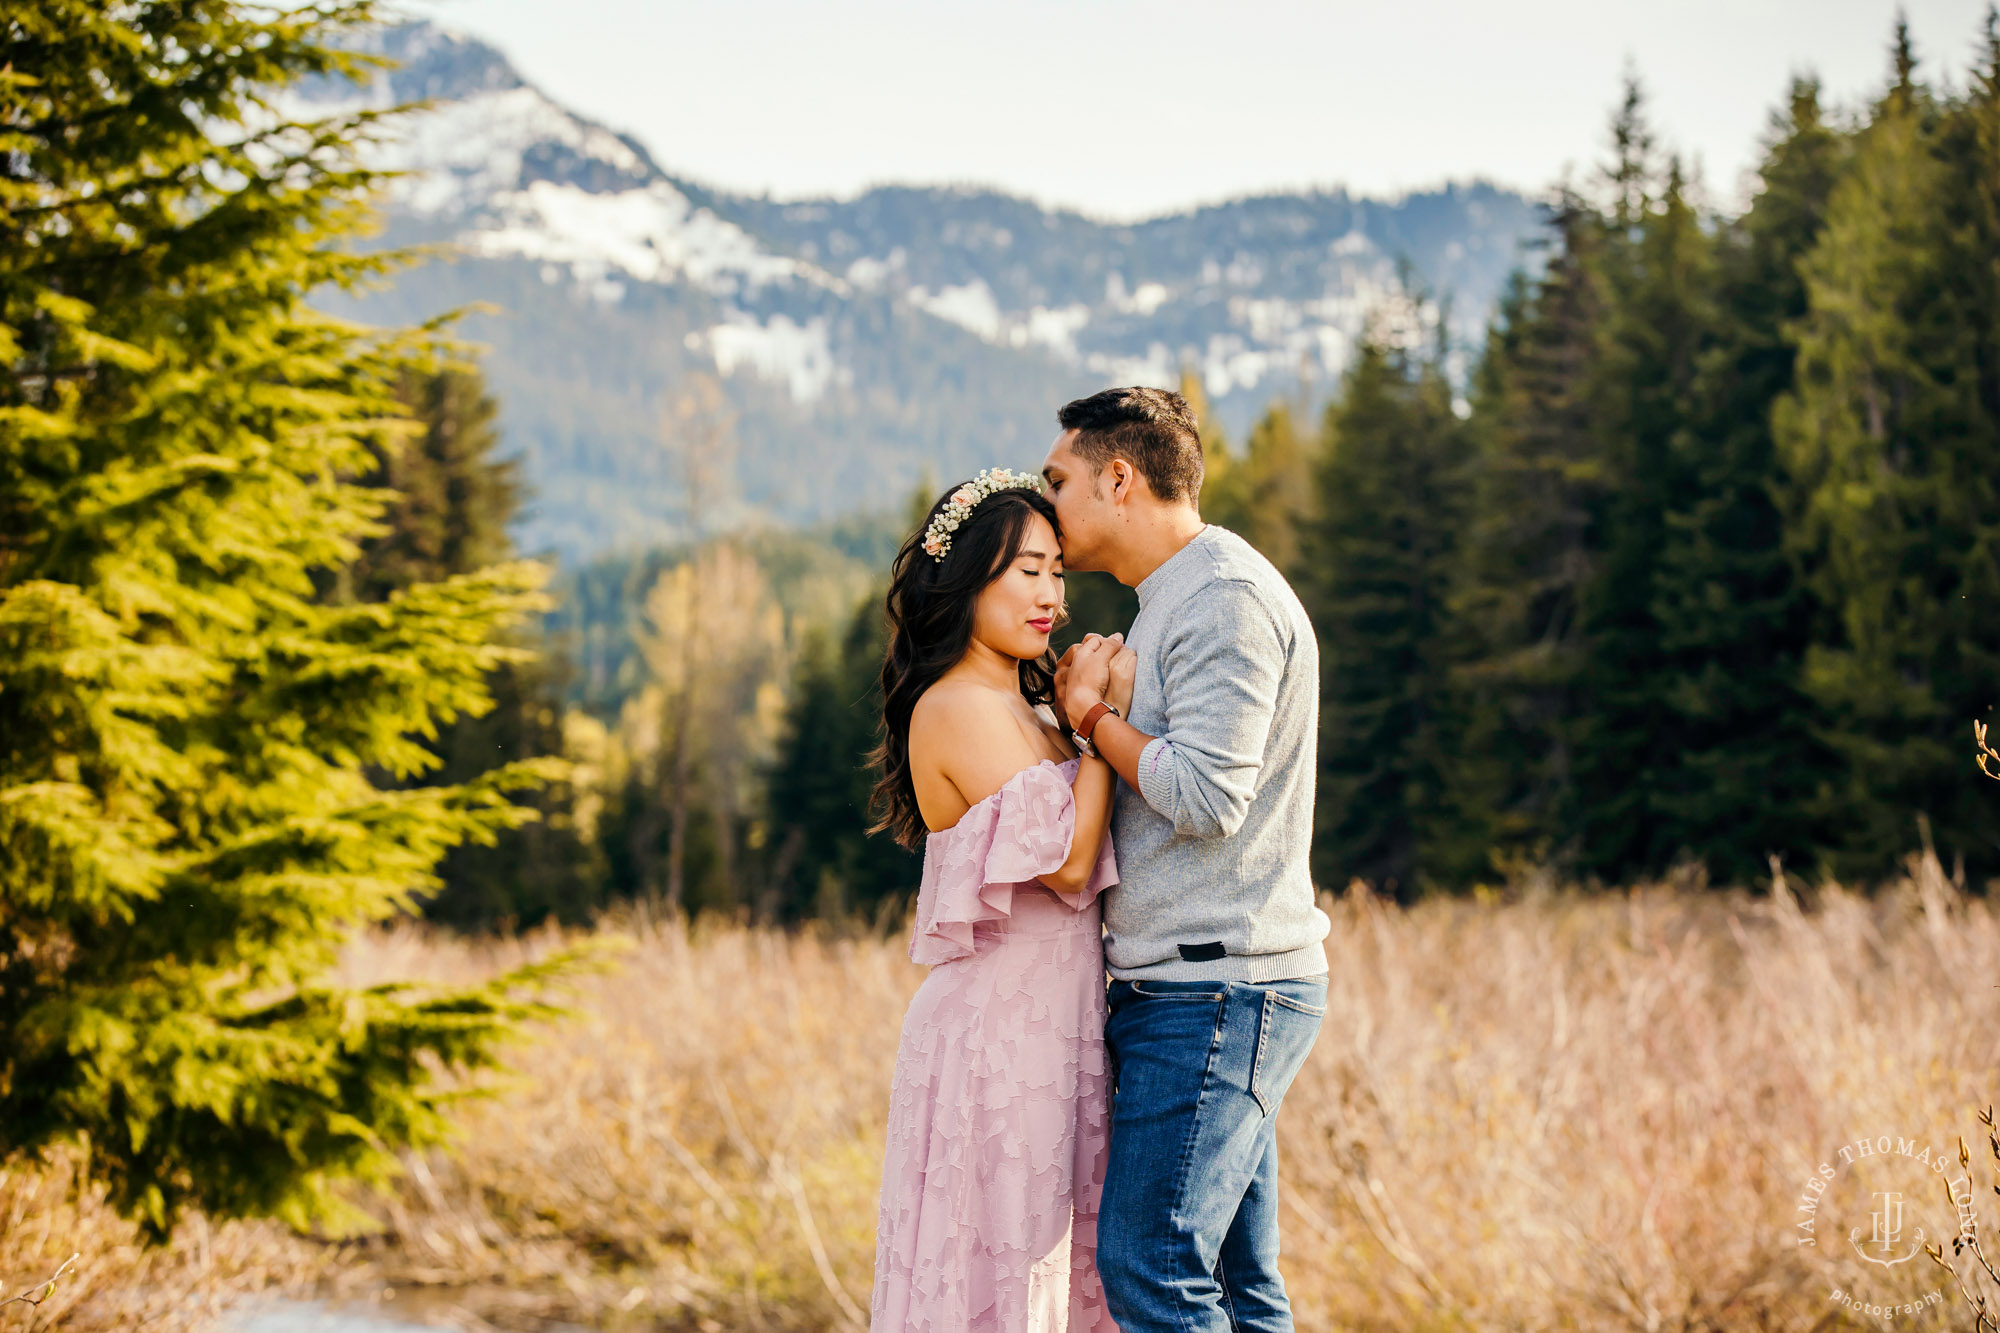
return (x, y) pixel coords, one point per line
(1002, 843)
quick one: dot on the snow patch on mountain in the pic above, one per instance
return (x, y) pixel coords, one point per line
(970, 306)
(520, 177)
(1266, 338)
(1160, 367)
(869, 273)
(463, 153)
(797, 356)
(1356, 242)
(652, 235)
(1149, 296)
(973, 306)
(1053, 329)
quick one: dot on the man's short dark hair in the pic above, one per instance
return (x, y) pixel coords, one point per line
(1153, 429)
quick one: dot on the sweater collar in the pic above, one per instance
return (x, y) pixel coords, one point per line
(1162, 576)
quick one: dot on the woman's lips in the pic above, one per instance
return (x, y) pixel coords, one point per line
(1043, 626)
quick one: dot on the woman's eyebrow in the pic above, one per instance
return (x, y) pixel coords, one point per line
(1031, 555)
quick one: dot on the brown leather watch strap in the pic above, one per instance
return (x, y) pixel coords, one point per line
(1091, 719)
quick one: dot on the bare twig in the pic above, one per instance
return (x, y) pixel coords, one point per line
(47, 1286)
(796, 1188)
(1967, 1241)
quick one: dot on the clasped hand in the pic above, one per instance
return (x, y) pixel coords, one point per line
(1099, 668)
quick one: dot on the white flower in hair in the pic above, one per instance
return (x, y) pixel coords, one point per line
(937, 537)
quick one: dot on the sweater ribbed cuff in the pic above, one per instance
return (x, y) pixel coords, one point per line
(1155, 786)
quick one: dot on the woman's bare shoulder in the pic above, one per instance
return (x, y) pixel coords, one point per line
(958, 712)
(957, 697)
(969, 734)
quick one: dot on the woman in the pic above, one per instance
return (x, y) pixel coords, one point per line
(998, 1120)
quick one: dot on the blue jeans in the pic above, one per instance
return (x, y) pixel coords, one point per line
(1187, 1233)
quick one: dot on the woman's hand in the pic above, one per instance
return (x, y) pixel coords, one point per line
(1124, 669)
(1084, 675)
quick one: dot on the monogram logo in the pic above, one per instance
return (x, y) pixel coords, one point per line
(1902, 1184)
(1886, 1233)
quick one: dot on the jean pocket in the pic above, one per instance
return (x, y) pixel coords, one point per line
(1310, 1010)
(1286, 1029)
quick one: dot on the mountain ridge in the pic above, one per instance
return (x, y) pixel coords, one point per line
(861, 343)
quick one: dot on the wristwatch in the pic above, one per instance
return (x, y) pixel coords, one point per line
(1090, 721)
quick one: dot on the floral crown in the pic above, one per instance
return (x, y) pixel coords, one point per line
(937, 537)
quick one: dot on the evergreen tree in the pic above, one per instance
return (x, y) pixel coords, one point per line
(1392, 489)
(817, 796)
(453, 502)
(542, 869)
(1531, 548)
(1655, 261)
(453, 498)
(1733, 622)
(1222, 499)
(826, 863)
(188, 830)
(1273, 490)
(1891, 439)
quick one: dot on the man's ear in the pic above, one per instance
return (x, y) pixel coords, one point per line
(1122, 476)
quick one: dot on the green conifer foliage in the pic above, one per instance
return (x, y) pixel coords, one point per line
(453, 498)
(826, 861)
(1274, 487)
(1745, 763)
(453, 503)
(1532, 545)
(1222, 500)
(1891, 439)
(188, 832)
(1656, 263)
(1392, 490)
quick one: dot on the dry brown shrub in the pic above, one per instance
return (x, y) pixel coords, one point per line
(48, 1213)
(1556, 1111)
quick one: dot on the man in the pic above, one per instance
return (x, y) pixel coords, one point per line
(1213, 939)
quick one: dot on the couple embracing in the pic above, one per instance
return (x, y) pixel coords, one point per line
(1059, 1157)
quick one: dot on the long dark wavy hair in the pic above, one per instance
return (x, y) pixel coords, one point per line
(930, 605)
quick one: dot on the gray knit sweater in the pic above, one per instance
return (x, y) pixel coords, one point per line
(1212, 848)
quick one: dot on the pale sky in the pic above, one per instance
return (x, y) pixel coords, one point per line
(1125, 110)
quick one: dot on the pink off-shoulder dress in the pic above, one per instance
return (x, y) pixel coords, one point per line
(999, 1118)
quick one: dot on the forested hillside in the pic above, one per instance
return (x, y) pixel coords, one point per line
(1696, 568)
(858, 342)
(1708, 575)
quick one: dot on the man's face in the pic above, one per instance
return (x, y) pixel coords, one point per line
(1083, 505)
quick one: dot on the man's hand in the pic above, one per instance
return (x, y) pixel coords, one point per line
(1088, 678)
(1124, 670)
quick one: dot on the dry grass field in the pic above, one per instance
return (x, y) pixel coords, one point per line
(1548, 1111)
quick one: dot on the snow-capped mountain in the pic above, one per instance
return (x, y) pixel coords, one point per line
(862, 343)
